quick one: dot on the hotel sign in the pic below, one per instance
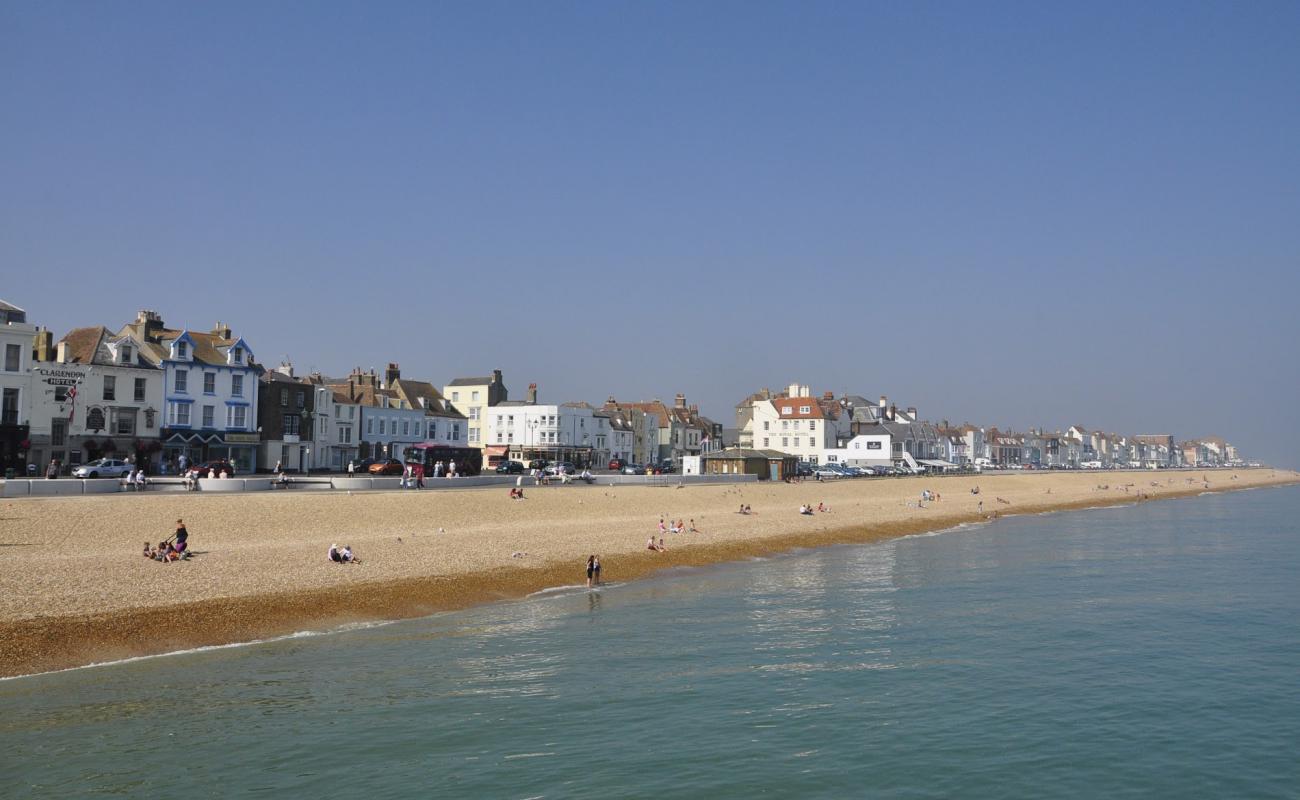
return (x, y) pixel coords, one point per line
(242, 438)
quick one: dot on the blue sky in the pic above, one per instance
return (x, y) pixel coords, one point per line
(1014, 214)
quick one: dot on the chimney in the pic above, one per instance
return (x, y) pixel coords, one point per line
(695, 410)
(884, 401)
(496, 376)
(285, 368)
(44, 344)
(148, 324)
(62, 353)
(532, 394)
(221, 330)
(828, 396)
(893, 412)
(393, 373)
(680, 401)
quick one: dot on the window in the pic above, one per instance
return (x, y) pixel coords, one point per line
(406, 427)
(180, 413)
(9, 411)
(58, 432)
(767, 425)
(291, 422)
(237, 355)
(765, 441)
(236, 417)
(13, 357)
(812, 424)
(474, 434)
(182, 350)
(455, 397)
(785, 441)
(455, 430)
(209, 383)
(126, 354)
(383, 423)
(110, 387)
(301, 400)
(208, 416)
(474, 396)
(499, 437)
(139, 390)
(796, 441)
(473, 412)
(284, 398)
(182, 380)
(433, 431)
(237, 385)
(370, 426)
(785, 424)
(60, 394)
(805, 409)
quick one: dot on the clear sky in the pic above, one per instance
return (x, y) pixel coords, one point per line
(1014, 214)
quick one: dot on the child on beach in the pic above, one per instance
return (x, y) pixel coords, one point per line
(651, 545)
(692, 528)
(148, 551)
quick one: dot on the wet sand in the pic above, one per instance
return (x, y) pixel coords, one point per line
(76, 590)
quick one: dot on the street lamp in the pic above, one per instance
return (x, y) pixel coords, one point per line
(306, 425)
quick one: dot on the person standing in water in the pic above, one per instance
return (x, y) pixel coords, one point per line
(591, 569)
(595, 563)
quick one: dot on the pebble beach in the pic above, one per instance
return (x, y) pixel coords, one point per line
(76, 590)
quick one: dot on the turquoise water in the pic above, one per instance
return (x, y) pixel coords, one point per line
(1150, 651)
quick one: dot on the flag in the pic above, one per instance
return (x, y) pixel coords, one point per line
(72, 396)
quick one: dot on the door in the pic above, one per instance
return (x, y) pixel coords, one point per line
(774, 470)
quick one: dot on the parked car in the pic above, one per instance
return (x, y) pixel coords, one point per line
(216, 466)
(565, 466)
(665, 467)
(616, 464)
(103, 468)
(827, 471)
(510, 468)
(633, 469)
(803, 469)
(386, 466)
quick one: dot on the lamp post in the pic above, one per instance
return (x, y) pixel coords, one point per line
(306, 416)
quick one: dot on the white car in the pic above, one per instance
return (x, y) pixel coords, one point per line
(103, 468)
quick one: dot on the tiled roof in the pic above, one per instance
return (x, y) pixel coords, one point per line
(793, 408)
(471, 381)
(80, 344)
(434, 403)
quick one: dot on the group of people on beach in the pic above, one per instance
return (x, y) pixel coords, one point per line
(135, 480)
(342, 555)
(807, 509)
(676, 527)
(593, 571)
(744, 509)
(173, 548)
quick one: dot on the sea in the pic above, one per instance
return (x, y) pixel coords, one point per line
(1142, 651)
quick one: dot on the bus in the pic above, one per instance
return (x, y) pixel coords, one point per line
(469, 460)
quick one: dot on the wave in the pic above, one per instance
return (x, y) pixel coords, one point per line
(350, 626)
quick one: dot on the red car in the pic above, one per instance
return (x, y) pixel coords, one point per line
(616, 464)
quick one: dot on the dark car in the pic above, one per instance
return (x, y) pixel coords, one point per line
(510, 468)
(803, 469)
(216, 467)
(665, 467)
(616, 464)
(386, 466)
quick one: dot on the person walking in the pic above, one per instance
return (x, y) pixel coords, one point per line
(52, 471)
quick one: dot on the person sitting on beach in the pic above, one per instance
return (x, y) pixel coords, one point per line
(742, 509)
(346, 555)
(975, 490)
(805, 510)
(651, 545)
(335, 554)
(517, 493)
(749, 510)
(662, 529)
(822, 507)
(148, 551)
(662, 548)
(166, 554)
(140, 480)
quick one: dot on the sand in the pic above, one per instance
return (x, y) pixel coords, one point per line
(76, 590)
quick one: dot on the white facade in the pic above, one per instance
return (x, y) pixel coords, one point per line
(866, 450)
(15, 388)
(549, 428)
(344, 429)
(392, 426)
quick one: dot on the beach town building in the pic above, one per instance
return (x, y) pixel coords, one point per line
(864, 450)
(681, 429)
(552, 432)
(1155, 451)
(472, 397)
(766, 464)
(94, 396)
(16, 338)
(799, 424)
(916, 445)
(636, 425)
(286, 420)
(209, 392)
(444, 424)
(338, 424)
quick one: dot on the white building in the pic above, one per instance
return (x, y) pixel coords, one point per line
(16, 338)
(864, 450)
(799, 424)
(572, 432)
(115, 410)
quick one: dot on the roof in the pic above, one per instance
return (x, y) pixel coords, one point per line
(733, 453)
(80, 344)
(10, 307)
(434, 404)
(472, 381)
(793, 408)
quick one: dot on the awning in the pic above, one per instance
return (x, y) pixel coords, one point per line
(496, 450)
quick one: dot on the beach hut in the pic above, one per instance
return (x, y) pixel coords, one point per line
(766, 464)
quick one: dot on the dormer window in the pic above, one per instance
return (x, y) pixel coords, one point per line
(237, 355)
(125, 354)
(182, 350)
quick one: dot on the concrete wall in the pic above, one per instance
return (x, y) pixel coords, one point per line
(64, 487)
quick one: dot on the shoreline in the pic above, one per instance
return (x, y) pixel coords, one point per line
(38, 643)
